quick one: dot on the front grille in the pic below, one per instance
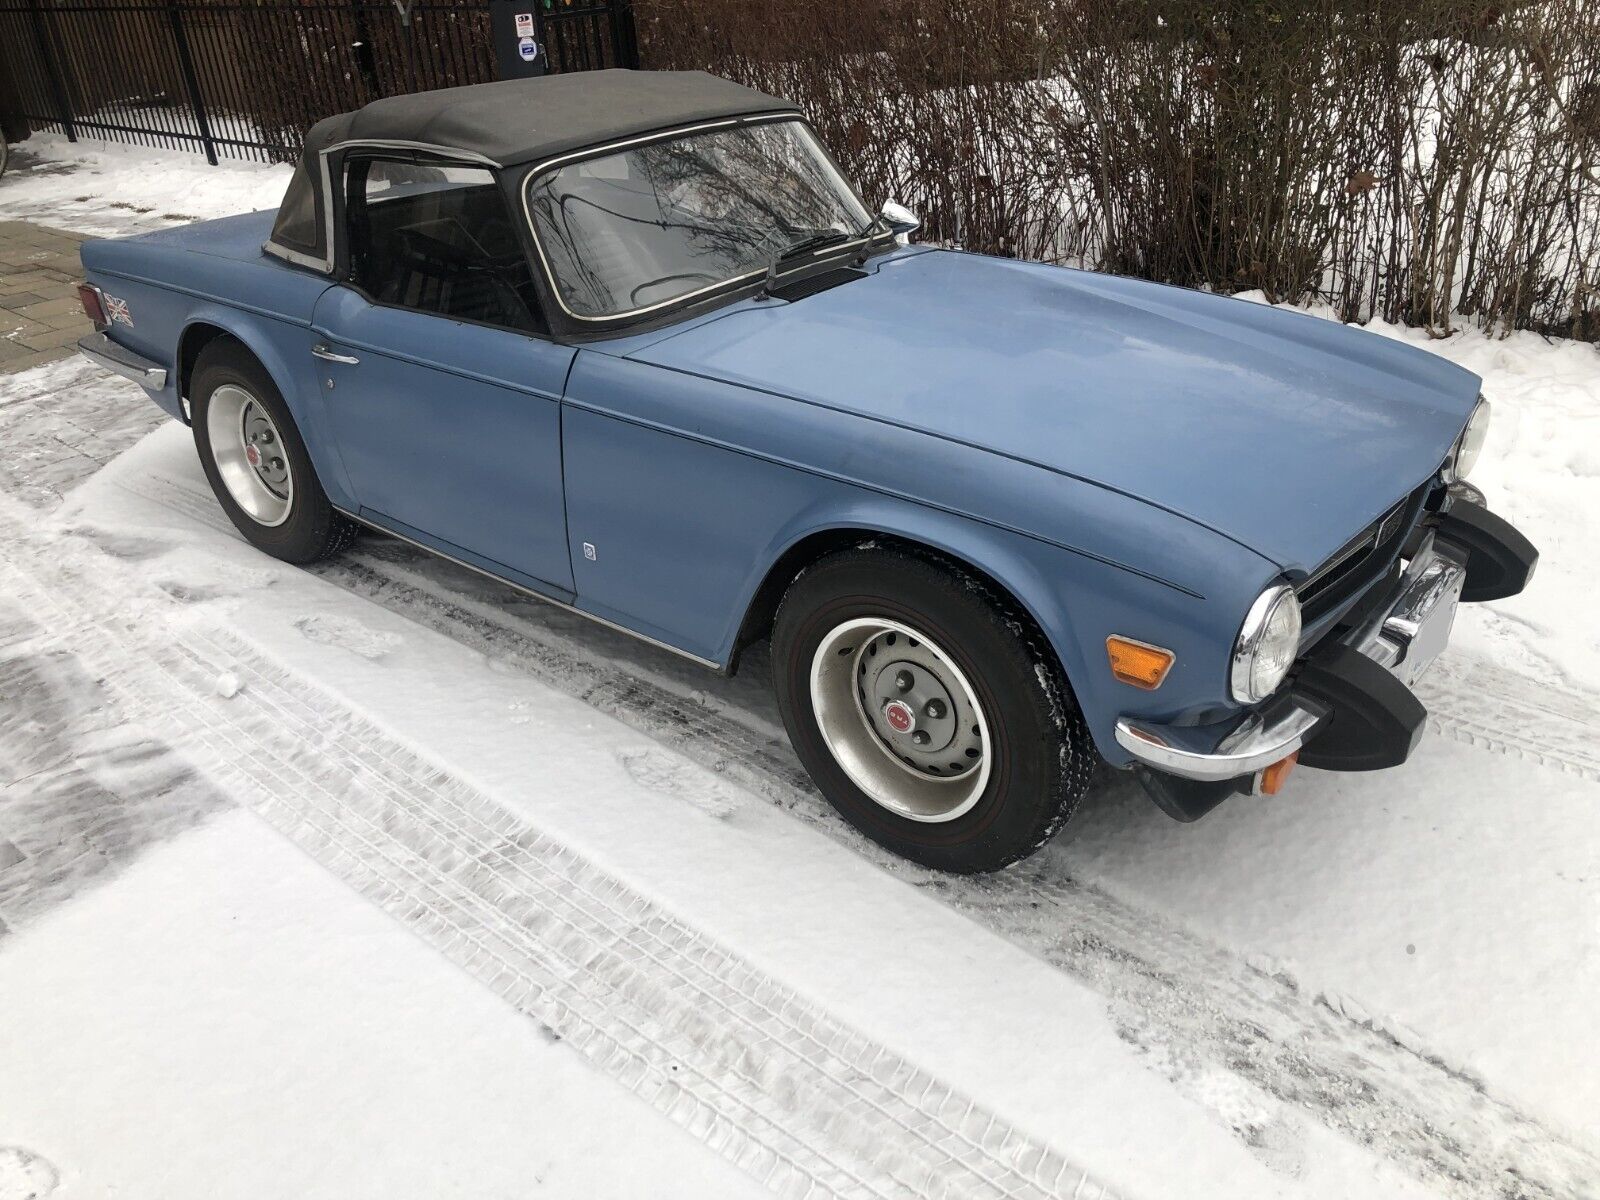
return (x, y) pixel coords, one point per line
(1361, 559)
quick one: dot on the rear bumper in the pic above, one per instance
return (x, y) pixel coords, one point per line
(1350, 706)
(103, 352)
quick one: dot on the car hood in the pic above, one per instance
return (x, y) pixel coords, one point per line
(1285, 432)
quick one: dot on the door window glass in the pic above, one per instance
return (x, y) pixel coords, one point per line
(438, 239)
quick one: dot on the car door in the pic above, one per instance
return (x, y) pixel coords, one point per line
(442, 395)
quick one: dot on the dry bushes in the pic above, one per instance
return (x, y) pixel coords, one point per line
(1412, 160)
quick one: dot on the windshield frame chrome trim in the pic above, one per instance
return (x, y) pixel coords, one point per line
(539, 169)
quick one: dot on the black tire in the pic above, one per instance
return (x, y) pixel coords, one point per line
(1042, 758)
(312, 529)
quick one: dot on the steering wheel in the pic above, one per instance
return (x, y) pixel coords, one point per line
(633, 296)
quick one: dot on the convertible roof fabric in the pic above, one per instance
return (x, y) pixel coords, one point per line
(510, 123)
(520, 120)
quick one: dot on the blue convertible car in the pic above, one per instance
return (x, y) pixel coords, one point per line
(631, 342)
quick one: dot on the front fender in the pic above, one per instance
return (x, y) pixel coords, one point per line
(1077, 601)
(687, 499)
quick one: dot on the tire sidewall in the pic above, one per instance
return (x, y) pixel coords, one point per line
(1026, 791)
(300, 536)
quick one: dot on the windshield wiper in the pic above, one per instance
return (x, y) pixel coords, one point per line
(814, 241)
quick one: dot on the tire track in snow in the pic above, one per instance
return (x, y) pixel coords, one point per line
(1196, 1010)
(1474, 702)
(762, 1075)
(1202, 1016)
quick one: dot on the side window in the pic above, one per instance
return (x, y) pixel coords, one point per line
(438, 239)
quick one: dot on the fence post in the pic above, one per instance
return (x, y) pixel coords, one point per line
(403, 7)
(191, 81)
(14, 127)
(52, 70)
(366, 55)
(624, 35)
(186, 64)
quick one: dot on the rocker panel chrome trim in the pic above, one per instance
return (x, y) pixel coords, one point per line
(528, 591)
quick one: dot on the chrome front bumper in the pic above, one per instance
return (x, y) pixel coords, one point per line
(1404, 636)
(103, 352)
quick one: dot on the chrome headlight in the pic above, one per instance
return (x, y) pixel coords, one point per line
(1464, 454)
(1267, 644)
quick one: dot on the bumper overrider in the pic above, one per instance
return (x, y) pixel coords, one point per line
(1348, 705)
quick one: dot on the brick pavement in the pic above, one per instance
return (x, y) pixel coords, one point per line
(40, 318)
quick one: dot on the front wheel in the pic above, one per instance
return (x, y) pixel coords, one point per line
(929, 714)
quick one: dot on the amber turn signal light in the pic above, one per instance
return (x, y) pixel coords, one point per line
(1138, 664)
(1275, 776)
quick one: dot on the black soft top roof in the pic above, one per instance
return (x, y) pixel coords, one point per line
(521, 120)
(510, 123)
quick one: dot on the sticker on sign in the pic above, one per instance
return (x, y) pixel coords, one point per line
(524, 25)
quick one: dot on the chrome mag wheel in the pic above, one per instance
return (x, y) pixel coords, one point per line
(901, 719)
(250, 455)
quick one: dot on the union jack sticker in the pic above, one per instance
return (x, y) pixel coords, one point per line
(117, 311)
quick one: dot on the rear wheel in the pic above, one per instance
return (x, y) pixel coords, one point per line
(256, 461)
(929, 714)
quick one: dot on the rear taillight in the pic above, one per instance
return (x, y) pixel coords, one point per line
(93, 304)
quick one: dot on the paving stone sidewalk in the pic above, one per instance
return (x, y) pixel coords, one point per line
(62, 425)
(40, 318)
(80, 794)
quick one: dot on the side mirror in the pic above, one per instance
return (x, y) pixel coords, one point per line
(901, 220)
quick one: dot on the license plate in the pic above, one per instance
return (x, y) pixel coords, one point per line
(1432, 636)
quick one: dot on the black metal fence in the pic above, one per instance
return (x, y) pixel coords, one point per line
(247, 78)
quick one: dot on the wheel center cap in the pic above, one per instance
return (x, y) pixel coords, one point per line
(898, 715)
(252, 456)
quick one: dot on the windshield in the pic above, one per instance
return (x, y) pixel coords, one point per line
(641, 227)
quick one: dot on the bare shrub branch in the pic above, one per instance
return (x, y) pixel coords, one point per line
(1417, 162)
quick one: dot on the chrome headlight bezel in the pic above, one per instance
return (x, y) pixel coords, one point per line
(1468, 447)
(1267, 645)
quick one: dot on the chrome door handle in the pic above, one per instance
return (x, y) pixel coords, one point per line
(321, 350)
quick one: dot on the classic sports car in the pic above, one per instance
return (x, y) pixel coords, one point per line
(632, 343)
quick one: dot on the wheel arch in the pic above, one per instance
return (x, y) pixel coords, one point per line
(207, 324)
(1017, 582)
(262, 340)
(196, 336)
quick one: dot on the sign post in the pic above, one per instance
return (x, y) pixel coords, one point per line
(517, 27)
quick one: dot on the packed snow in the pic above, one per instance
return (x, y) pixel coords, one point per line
(424, 888)
(108, 189)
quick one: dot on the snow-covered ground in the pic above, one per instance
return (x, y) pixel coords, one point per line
(628, 951)
(106, 189)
